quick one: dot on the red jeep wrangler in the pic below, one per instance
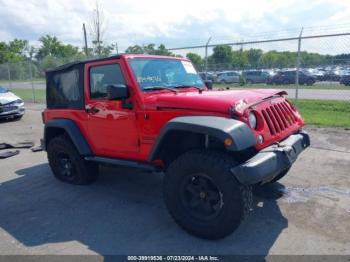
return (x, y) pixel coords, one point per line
(155, 113)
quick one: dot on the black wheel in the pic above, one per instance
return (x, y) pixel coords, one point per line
(203, 196)
(66, 163)
(280, 175)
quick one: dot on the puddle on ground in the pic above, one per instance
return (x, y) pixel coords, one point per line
(303, 194)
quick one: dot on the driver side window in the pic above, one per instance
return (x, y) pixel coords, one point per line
(103, 76)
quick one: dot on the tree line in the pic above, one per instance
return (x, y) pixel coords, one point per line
(17, 55)
(18, 59)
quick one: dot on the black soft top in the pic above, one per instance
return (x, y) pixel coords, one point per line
(82, 62)
(65, 84)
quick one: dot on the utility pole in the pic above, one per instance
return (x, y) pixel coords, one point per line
(9, 75)
(116, 47)
(85, 40)
(206, 58)
(31, 79)
(298, 66)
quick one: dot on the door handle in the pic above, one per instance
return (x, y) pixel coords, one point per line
(91, 110)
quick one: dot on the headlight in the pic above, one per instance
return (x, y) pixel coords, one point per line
(17, 102)
(252, 120)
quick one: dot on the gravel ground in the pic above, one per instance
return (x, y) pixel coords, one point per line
(123, 212)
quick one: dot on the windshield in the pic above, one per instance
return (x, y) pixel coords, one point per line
(158, 72)
(3, 90)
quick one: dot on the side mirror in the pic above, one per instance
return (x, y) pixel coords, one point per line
(117, 92)
(208, 84)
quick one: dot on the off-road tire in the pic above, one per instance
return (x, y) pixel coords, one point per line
(82, 172)
(236, 198)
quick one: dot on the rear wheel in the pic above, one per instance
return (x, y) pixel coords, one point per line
(66, 163)
(203, 196)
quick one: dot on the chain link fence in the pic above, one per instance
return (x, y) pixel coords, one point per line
(309, 67)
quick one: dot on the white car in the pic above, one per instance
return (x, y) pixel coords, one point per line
(11, 106)
(228, 77)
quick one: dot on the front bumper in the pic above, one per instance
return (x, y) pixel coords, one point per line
(271, 161)
(13, 111)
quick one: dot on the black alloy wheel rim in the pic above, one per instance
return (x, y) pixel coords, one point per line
(66, 166)
(201, 197)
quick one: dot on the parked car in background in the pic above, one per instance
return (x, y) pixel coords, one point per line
(345, 80)
(288, 77)
(318, 74)
(228, 77)
(210, 76)
(331, 75)
(11, 106)
(255, 76)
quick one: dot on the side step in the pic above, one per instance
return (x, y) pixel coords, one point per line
(121, 162)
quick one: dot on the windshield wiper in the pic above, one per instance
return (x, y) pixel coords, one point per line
(188, 86)
(160, 88)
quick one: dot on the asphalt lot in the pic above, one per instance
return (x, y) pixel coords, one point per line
(123, 212)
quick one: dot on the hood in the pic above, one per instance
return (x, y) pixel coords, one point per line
(213, 101)
(8, 97)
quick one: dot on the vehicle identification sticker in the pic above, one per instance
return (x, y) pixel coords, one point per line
(188, 67)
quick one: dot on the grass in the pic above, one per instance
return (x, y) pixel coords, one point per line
(328, 86)
(27, 95)
(323, 113)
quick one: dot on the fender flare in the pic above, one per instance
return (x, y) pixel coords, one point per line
(73, 132)
(218, 127)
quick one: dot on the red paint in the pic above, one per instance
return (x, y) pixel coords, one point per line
(130, 134)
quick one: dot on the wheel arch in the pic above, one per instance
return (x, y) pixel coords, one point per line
(182, 134)
(56, 127)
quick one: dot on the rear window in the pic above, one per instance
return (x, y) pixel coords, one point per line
(64, 88)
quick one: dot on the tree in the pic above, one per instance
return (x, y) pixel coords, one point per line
(239, 59)
(97, 28)
(149, 49)
(50, 46)
(253, 57)
(196, 60)
(161, 50)
(13, 51)
(135, 49)
(222, 54)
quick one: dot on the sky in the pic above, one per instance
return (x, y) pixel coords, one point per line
(179, 23)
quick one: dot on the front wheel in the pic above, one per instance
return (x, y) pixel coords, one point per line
(203, 196)
(66, 163)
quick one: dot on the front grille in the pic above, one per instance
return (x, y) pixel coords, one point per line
(4, 109)
(279, 117)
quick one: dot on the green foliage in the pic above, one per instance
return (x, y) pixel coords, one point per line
(52, 47)
(13, 51)
(50, 62)
(222, 54)
(135, 49)
(149, 49)
(196, 59)
(239, 59)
